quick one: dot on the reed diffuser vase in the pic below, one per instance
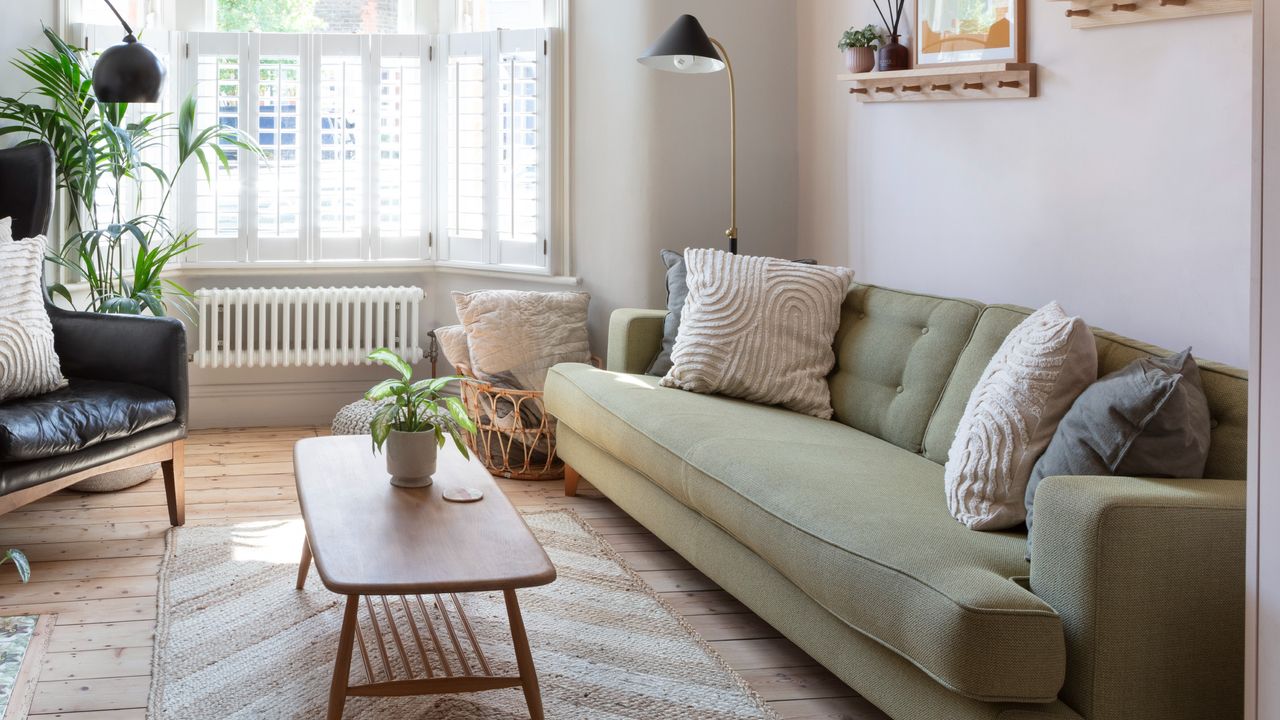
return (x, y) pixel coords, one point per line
(894, 55)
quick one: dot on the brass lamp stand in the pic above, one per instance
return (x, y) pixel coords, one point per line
(687, 49)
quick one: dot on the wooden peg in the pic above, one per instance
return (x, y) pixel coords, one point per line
(972, 86)
(1173, 2)
(884, 89)
(1072, 12)
(1124, 7)
(857, 91)
(911, 88)
(937, 88)
(1009, 83)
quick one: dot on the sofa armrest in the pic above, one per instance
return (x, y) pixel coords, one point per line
(1148, 577)
(147, 351)
(635, 337)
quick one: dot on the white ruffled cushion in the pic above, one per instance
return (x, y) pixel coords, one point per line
(1027, 388)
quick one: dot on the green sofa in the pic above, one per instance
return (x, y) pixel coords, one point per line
(837, 532)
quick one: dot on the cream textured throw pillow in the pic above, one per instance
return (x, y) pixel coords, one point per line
(760, 329)
(28, 363)
(1030, 383)
(515, 337)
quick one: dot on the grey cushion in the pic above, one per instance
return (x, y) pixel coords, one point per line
(1147, 419)
(677, 291)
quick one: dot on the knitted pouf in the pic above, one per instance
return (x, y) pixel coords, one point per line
(354, 419)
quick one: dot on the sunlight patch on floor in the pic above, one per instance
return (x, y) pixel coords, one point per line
(275, 541)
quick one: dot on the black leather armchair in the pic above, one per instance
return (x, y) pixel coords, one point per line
(126, 402)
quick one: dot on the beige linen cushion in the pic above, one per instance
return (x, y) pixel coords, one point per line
(759, 329)
(453, 343)
(1012, 414)
(514, 337)
(28, 364)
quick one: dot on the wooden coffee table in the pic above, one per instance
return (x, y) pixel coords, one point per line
(386, 548)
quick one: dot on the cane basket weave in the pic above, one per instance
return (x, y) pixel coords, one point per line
(515, 437)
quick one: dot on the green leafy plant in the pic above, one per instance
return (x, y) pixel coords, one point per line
(19, 560)
(868, 37)
(416, 406)
(117, 248)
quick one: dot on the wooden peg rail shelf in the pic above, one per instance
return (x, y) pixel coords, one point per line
(987, 81)
(1099, 13)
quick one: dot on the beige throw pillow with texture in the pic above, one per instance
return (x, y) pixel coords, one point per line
(28, 363)
(515, 337)
(453, 343)
(1028, 386)
(760, 329)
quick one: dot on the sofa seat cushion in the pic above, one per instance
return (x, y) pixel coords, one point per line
(80, 415)
(858, 524)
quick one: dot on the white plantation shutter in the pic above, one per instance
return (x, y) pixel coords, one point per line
(521, 178)
(373, 145)
(401, 142)
(278, 179)
(465, 171)
(217, 62)
(341, 122)
(494, 179)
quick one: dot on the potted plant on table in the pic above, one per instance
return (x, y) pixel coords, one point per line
(859, 48)
(414, 421)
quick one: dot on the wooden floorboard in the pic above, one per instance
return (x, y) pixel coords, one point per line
(95, 560)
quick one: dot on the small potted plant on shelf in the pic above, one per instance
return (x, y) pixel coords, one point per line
(859, 48)
(414, 421)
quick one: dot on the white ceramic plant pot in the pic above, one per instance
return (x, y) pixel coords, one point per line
(411, 458)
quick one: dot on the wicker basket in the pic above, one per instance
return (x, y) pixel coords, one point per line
(515, 436)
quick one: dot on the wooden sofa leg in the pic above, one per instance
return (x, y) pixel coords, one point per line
(174, 484)
(571, 478)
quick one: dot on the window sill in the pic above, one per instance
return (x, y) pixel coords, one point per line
(369, 268)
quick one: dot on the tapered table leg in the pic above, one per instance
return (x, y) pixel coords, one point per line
(305, 565)
(524, 658)
(342, 666)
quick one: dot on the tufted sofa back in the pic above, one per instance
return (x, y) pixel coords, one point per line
(895, 351)
(906, 364)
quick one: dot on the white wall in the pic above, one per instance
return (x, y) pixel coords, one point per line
(651, 149)
(1122, 191)
(21, 29)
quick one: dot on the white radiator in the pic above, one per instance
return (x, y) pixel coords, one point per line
(299, 327)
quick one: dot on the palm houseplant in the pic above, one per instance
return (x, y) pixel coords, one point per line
(414, 421)
(117, 169)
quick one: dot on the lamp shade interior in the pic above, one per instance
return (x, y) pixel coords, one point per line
(683, 48)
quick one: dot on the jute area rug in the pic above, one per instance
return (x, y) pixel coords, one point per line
(236, 640)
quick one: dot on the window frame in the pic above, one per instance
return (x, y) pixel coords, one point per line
(554, 199)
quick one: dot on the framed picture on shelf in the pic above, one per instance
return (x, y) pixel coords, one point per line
(952, 32)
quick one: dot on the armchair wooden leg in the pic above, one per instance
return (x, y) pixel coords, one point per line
(571, 478)
(174, 484)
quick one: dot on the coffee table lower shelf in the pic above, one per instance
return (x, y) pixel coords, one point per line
(415, 651)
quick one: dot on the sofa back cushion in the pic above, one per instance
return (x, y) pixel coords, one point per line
(894, 353)
(1226, 388)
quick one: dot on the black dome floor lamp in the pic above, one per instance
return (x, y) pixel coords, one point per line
(687, 49)
(128, 72)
